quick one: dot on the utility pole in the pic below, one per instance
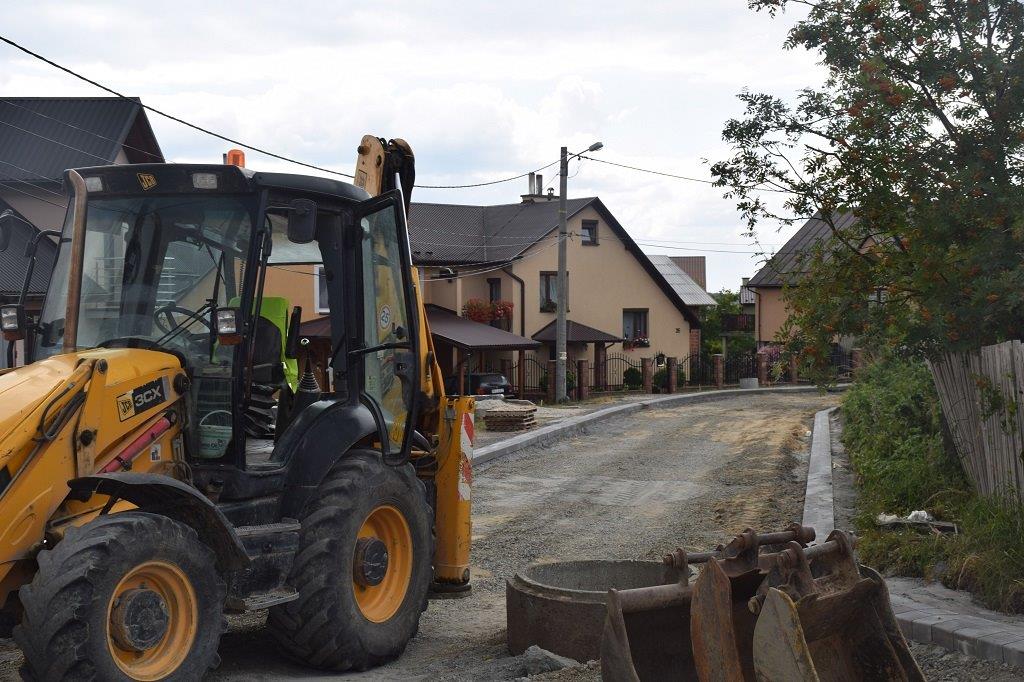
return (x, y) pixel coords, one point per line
(560, 351)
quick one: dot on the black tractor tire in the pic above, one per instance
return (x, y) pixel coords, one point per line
(64, 629)
(325, 627)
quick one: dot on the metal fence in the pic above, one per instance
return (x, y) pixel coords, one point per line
(979, 396)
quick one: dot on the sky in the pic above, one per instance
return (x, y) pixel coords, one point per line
(481, 90)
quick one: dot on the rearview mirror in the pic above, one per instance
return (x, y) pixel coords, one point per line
(301, 221)
(6, 218)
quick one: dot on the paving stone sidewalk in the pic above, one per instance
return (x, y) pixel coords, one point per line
(926, 612)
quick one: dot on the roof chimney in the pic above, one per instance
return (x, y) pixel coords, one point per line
(533, 183)
(540, 185)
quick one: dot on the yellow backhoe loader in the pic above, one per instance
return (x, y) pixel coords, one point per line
(140, 495)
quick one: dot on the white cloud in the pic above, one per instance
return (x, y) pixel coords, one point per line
(481, 90)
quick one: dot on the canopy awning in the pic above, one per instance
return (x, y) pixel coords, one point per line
(576, 333)
(469, 335)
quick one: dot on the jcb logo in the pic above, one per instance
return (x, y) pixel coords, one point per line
(125, 406)
(147, 180)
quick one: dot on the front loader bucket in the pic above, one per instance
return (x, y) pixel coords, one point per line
(684, 632)
(647, 635)
(830, 621)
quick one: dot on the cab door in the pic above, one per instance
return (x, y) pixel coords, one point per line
(390, 359)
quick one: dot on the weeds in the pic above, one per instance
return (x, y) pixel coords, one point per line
(903, 461)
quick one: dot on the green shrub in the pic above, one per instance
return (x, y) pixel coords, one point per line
(570, 381)
(904, 461)
(632, 378)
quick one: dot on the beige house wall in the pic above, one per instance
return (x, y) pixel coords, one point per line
(603, 281)
(771, 312)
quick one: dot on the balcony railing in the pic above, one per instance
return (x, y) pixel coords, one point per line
(738, 322)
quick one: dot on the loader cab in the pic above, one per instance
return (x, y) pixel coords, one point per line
(172, 258)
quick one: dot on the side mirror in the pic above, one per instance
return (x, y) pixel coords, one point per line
(302, 221)
(6, 218)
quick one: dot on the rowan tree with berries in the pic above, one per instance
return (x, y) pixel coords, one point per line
(918, 130)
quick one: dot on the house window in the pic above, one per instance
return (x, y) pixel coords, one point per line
(634, 324)
(549, 291)
(493, 289)
(589, 233)
(320, 290)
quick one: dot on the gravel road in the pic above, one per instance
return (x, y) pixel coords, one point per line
(631, 488)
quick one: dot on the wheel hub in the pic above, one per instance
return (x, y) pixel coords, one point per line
(371, 561)
(139, 620)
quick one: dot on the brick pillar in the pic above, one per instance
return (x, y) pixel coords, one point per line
(551, 382)
(671, 367)
(857, 359)
(719, 361)
(794, 369)
(647, 369)
(582, 380)
(695, 341)
(762, 369)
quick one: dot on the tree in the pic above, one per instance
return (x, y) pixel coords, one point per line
(712, 324)
(918, 131)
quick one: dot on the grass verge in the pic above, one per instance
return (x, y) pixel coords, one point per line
(904, 461)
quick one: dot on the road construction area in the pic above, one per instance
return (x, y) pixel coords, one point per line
(633, 487)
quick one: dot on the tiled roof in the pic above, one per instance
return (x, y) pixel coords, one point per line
(575, 333)
(788, 262)
(454, 234)
(696, 267)
(41, 137)
(686, 288)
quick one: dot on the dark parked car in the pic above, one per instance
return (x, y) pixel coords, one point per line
(486, 383)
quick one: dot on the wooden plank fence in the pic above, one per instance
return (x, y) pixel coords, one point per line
(982, 397)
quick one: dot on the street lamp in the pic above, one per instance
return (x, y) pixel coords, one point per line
(561, 357)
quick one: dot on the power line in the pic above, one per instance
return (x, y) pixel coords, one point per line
(225, 138)
(680, 177)
(491, 182)
(167, 115)
(685, 241)
(685, 248)
(38, 175)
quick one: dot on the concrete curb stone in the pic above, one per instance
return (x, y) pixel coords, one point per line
(990, 639)
(552, 433)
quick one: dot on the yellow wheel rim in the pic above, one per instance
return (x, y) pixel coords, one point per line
(168, 648)
(380, 602)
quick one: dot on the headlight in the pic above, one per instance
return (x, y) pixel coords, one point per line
(12, 320)
(227, 321)
(204, 180)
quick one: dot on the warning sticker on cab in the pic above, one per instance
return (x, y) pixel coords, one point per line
(385, 317)
(142, 398)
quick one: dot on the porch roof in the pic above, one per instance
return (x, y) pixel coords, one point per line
(469, 335)
(576, 333)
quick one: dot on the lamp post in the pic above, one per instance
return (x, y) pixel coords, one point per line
(561, 356)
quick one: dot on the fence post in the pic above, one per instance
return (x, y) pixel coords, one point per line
(646, 367)
(582, 380)
(762, 369)
(856, 360)
(719, 362)
(671, 367)
(550, 398)
(521, 375)
(794, 369)
(506, 369)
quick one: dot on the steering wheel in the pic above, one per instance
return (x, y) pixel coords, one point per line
(165, 322)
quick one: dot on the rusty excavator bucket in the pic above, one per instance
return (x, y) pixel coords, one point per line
(693, 632)
(822, 617)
